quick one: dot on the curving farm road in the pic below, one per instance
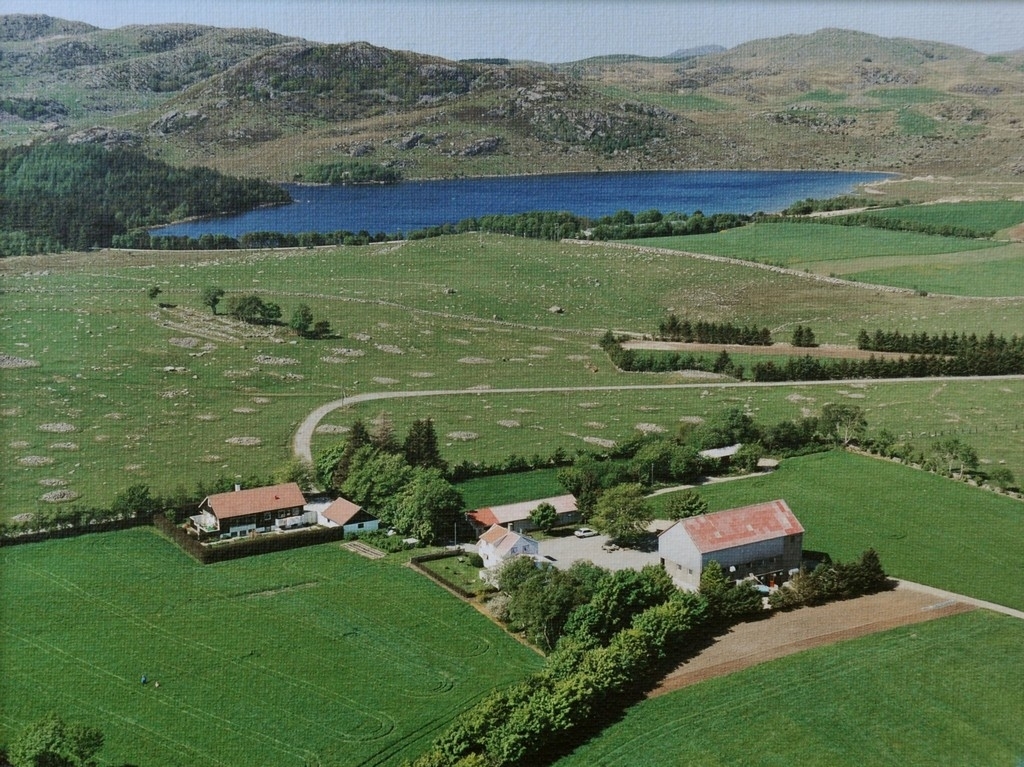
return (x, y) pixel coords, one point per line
(302, 442)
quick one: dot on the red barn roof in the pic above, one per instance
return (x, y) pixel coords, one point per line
(738, 527)
(254, 501)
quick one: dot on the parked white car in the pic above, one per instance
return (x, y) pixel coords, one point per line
(585, 532)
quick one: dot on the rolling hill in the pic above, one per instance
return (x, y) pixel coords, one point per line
(255, 103)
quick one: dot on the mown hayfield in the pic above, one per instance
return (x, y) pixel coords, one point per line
(925, 528)
(315, 656)
(124, 391)
(944, 692)
(948, 265)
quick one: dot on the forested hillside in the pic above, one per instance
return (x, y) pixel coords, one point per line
(57, 196)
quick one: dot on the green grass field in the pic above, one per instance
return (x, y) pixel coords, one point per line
(925, 528)
(125, 392)
(979, 216)
(944, 692)
(949, 265)
(315, 656)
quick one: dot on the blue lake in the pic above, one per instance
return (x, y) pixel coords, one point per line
(412, 205)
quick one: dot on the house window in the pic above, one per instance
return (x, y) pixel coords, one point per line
(267, 515)
(360, 525)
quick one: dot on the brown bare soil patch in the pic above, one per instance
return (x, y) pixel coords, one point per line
(786, 633)
(781, 349)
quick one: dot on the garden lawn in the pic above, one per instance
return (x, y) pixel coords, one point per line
(924, 527)
(945, 692)
(313, 656)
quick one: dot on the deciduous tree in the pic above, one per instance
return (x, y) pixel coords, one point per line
(52, 742)
(623, 513)
(211, 296)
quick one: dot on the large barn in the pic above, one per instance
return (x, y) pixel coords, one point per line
(764, 541)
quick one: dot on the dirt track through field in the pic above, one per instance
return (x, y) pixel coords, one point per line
(786, 633)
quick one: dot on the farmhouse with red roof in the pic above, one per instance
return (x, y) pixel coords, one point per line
(261, 509)
(763, 540)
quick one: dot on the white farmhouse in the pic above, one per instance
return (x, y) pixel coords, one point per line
(499, 544)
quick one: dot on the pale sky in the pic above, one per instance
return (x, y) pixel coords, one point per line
(563, 30)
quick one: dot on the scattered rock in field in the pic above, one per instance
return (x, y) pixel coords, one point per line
(243, 410)
(266, 359)
(7, 362)
(556, 310)
(690, 419)
(509, 424)
(362, 336)
(173, 393)
(388, 348)
(649, 428)
(35, 460)
(64, 446)
(59, 496)
(244, 441)
(19, 444)
(421, 375)
(53, 482)
(475, 361)
(10, 412)
(343, 352)
(184, 343)
(588, 405)
(26, 517)
(595, 425)
(114, 416)
(607, 443)
(462, 436)
(133, 467)
(578, 357)
(332, 428)
(262, 400)
(385, 381)
(207, 417)
(211, 459)
(56, 428)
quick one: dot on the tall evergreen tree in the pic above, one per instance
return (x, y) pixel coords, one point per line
(420, 446)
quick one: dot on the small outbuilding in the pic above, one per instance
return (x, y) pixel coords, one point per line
(350, 516)
(764, 540)
(516, 516)
(499, 544)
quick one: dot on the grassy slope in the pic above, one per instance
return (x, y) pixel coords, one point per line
(104, 349)
(311, 656)
(920, 695)
(925, 528)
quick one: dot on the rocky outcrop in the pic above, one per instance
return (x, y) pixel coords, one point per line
(108, 137)
(176, 122)
(482, 146)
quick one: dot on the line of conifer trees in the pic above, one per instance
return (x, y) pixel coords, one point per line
(949, 344)
(674, 329)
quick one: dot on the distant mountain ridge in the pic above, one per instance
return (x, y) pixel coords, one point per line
(252, 102)
(700, 50)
